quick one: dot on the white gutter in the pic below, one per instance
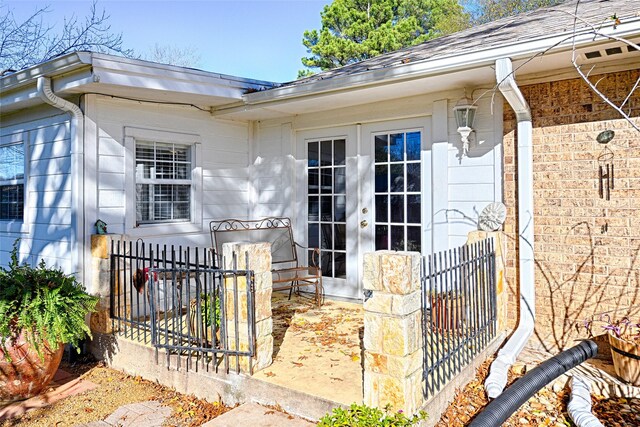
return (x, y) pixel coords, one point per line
(497, 379)
(62, 65)
(77, 173)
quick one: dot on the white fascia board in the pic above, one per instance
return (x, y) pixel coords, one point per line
(127, 66)
(165, 83)
(445, 64)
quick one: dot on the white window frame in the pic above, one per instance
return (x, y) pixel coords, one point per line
(154, 181)
(18, 225)
(194, 225)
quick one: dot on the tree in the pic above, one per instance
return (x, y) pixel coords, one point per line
(31, 41)
(354, 30)
(174, 55)
(490, 10)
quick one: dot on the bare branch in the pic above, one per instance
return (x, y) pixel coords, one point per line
(594, 86)
(635, 86)
(30, 42)
(597, 32)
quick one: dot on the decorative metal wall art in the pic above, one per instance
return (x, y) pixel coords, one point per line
(492, 217)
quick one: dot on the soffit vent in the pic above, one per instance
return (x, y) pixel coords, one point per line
(609, 51)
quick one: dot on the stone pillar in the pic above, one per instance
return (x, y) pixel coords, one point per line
(101, 280)
(393, 355)
(259, 258)
(500, 246)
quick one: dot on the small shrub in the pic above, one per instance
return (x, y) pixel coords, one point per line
(365, 416)
(205, 305)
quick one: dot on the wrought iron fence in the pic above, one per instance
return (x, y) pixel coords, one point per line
(459, 309)
(175, 299)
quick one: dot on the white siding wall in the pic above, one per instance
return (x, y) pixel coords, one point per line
(239, 179)
(272, 171)
(224, 152)
(476, 180)
(46, 231)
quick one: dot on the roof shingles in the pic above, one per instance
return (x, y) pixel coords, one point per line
(529, 25)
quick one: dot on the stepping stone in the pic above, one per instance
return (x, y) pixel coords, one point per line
(142, 414)
(254, 415)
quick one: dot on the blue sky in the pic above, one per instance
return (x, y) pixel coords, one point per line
(260, 39)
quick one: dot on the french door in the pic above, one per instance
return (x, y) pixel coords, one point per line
(358, 192)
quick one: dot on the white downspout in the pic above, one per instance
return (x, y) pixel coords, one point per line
(579, 407)
(497, 379)
(77, 172)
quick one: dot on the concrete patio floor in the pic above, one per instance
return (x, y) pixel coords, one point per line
(317, 350)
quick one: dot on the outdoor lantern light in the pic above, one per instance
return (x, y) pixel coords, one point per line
(465, 113)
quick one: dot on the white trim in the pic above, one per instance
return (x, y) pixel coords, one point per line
(161, 135)
(91, 172)
(440, 176)
(147, 230)
(14, 226)
(498, 159)
(253, 135)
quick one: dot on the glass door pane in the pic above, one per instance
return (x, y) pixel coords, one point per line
(327, 198)
(397, 191)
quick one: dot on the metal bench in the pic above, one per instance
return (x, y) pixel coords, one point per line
(288, 273)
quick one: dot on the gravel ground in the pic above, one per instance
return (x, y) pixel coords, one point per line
(114, 390)
(545, 408)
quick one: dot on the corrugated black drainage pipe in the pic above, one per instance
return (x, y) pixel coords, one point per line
(498, 410)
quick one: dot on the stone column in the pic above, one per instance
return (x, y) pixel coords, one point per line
(500, 246)
(259, 258)
(101, 280)
(392, 331)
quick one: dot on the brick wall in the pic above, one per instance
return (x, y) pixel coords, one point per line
(587, 248)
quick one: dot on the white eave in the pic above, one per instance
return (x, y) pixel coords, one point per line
(85, 72)
(472, 68)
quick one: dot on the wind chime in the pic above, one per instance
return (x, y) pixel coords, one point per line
(606, 174)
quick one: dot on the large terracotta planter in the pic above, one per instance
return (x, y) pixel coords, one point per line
(626, 359)
(28, 373)
(446, 312)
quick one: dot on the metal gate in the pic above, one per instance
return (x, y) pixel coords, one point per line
(175, 299)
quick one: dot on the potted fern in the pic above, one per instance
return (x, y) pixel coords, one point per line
(41, 309)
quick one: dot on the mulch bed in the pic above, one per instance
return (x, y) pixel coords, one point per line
(545, 408)
(115, 389)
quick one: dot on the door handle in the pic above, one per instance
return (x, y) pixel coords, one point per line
(363, 223)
